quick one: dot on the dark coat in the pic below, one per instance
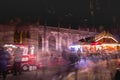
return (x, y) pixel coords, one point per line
(4, 58)
(117, 75)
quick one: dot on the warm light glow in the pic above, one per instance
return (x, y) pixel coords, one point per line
(21, 37)
(107, 37)
(98, 47)
(110, 45)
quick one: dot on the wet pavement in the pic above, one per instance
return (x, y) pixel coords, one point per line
(87, 70)
(45, 73)
(102, 70)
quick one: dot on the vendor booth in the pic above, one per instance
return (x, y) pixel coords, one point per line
(101, 43)
(109, 44)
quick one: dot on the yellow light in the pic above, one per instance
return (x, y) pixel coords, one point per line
(107, 37)
(109, 44)
(21, 37)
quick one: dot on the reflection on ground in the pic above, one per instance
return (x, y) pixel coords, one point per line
(94, 69)
(89, 68)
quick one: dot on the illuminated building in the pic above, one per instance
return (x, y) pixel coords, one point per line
(44, 38)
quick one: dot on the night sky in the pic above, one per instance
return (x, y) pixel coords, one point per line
(65, 12)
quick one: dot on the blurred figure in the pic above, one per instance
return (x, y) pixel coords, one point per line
(64, 55)
(79, 52)
(117, 75)
(4, 60)
(17, 61)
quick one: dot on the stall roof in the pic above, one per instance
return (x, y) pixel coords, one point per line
(105, 34)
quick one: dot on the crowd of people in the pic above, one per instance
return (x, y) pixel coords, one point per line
(70, 57)
(5, 58)
(96, 58)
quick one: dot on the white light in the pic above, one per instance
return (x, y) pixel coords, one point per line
(25, 51)
(25, 59)
(76, 47)
(32, 49)
(9, 45)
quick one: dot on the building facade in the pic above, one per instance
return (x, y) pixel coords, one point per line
(45, 39)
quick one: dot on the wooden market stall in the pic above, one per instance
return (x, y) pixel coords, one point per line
(109, 44)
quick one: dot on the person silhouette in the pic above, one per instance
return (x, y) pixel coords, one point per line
(17, 61)
(4, 59)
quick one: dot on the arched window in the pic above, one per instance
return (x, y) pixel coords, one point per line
(52, 43)
(40, 42)
(64, 41)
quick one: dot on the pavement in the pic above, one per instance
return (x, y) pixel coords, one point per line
(45, 73)
(31, 75)
(102, 70)
(40, 74)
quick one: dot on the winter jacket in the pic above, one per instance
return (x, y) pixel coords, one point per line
(4, 59)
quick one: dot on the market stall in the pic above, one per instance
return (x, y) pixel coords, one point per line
(109, 44)
(101, 43)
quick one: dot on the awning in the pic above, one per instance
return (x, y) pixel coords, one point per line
(87, 39)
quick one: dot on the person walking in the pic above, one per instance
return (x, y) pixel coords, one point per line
(17, 61)
(4, 60)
